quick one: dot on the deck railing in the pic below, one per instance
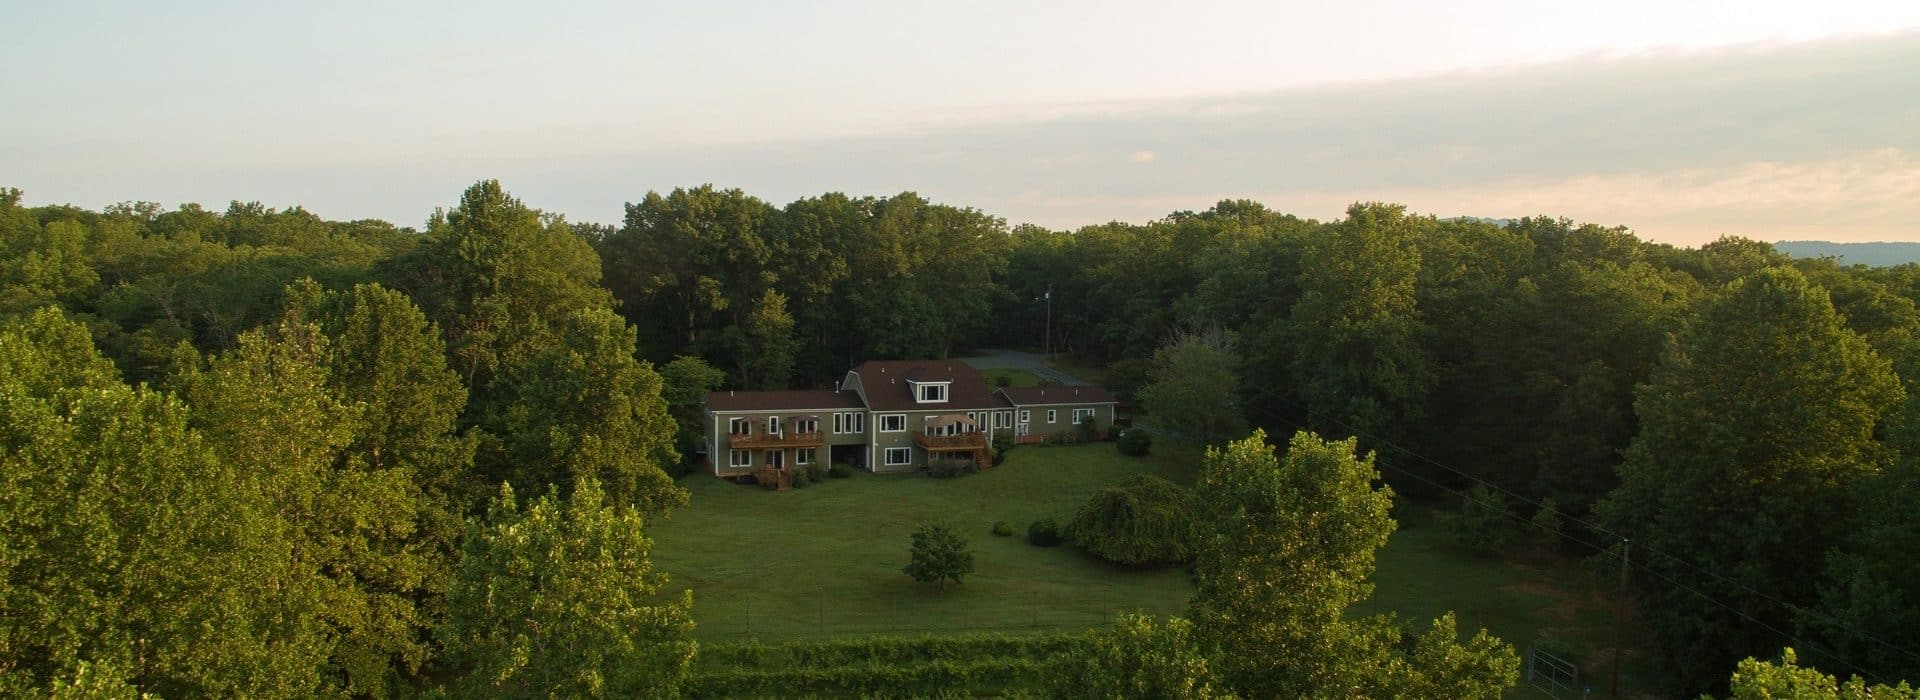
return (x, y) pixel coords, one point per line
(962, 441)
(811, 438)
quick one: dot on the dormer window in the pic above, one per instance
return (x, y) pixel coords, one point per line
(930, 392)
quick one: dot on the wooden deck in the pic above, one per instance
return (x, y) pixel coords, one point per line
(973, 445)
(764, 441)
(956, 443)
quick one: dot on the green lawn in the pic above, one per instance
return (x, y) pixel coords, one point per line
(1014, 377)
(825, 560)
(1422, 574)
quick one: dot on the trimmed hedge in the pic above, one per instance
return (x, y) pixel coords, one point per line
(955, 679)
(858, 650)
(955, 666)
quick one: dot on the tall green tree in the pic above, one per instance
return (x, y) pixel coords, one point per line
(384, 355)
(128, 543)
(688, 255)
(496, 275)
(559, 598)
(764, 344)
(1194, 384)
(40, 265)
(1286, 548)
(1752, 430)
(357, 564)
(1359, 337)
(585, 407)
(684, 384)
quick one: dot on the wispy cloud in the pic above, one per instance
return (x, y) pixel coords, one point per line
(1811, 140)
(1768, 141)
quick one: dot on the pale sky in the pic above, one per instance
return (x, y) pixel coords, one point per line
(1683, 120)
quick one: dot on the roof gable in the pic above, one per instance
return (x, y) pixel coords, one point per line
(888, 385)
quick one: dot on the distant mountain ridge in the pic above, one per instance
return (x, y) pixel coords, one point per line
(1875, 254)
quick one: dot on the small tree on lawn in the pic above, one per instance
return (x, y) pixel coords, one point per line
(939, 555)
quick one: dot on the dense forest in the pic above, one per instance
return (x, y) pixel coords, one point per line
(257, 452)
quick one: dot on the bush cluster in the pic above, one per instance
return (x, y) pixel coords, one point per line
(839, 471)
(1002, 444)
(1003, 529)
(950, 467)
(1135, 442)
(1044, 533)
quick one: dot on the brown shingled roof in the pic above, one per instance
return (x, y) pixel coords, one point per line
(1044, 395)
(814, 400)
(886, 385)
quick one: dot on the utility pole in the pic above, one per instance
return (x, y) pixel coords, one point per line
(1619, 611)
(1049, 343)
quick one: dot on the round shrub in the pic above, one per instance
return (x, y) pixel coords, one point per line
(1044, 533)
(1142, 521)
(816, 471)
(1002, 529)
(1134, 443)
(839, 471)
(800, 479)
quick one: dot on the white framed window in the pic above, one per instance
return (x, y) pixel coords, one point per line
(1026, 416)
(806, 425)
(1003, 419)
(1083, 415)
(776, 458)
(857, 422)
(740, 426)
(897, 456)
(803, 456)
(1053, 416)
(739, 458)
(893, 422)
(773, 425)
(839, 423)
(932, 392)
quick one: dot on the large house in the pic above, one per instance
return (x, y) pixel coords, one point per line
(892, 415)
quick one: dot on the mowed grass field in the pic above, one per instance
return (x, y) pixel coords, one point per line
(825, 560)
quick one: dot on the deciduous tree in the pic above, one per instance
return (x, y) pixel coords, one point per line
(1752, 430)
(938, 555)
(559, 598)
